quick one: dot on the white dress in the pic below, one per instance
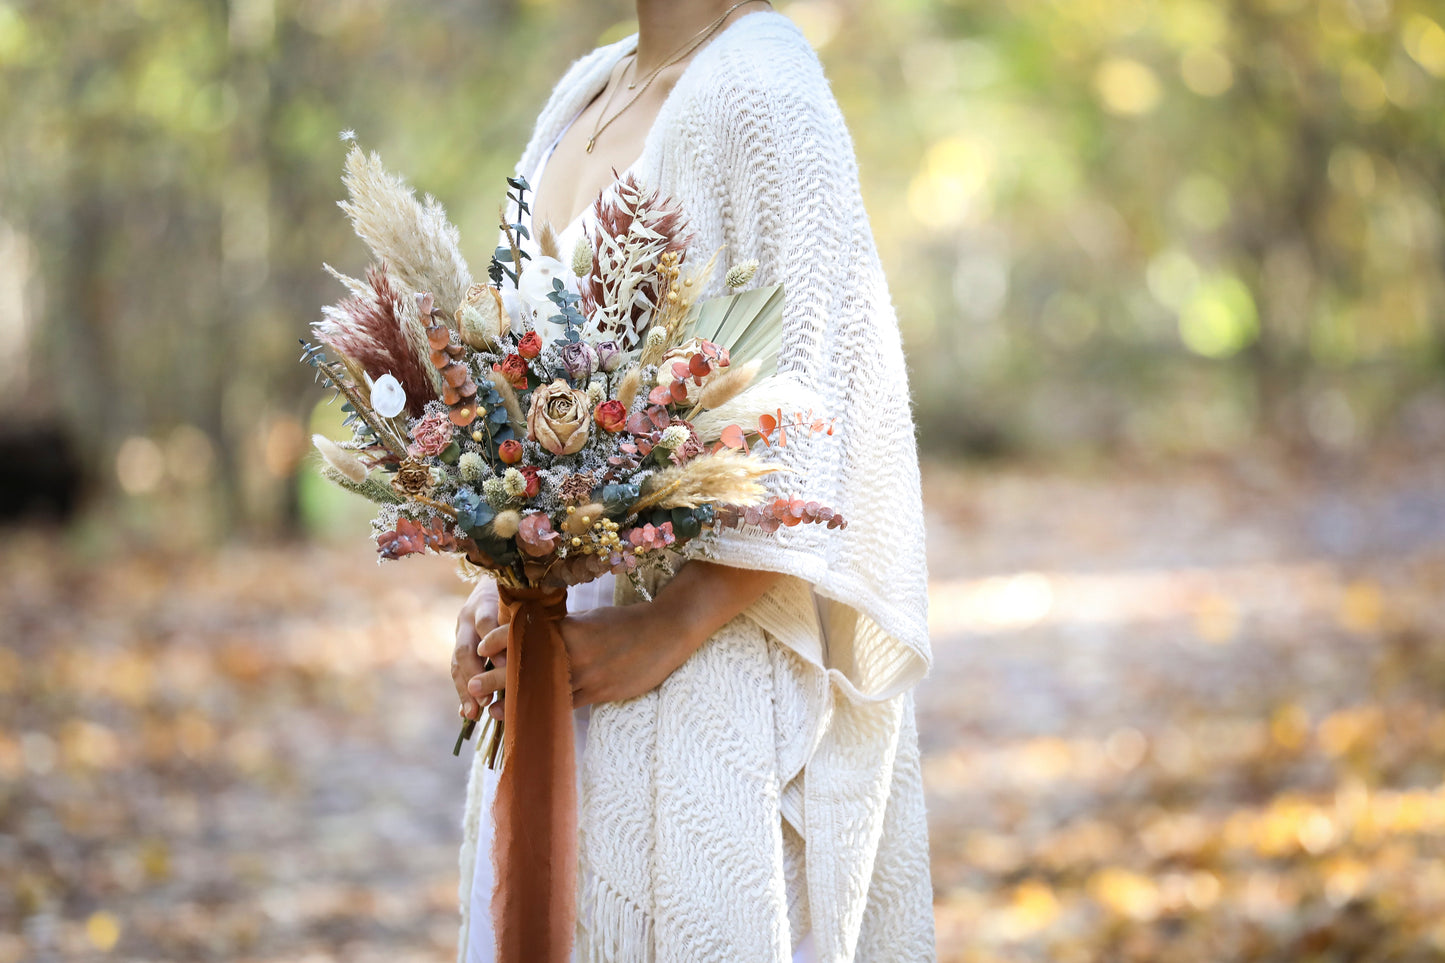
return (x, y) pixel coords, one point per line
(481, 939)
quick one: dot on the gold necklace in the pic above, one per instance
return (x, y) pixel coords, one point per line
(688, 47)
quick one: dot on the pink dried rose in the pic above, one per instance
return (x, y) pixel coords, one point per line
(431, 436)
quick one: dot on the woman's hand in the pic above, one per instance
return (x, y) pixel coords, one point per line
(477, 618)
(621, 652)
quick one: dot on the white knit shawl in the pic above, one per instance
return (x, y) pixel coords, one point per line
(785, 746)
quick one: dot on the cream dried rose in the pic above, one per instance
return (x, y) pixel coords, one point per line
(558, 418)
(482, 318)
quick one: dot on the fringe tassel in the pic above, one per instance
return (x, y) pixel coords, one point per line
(471, 832)
(610, 927)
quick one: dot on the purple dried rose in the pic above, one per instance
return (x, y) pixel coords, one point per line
(579, 360)
(609, 356)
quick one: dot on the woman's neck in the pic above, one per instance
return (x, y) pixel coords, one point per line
(663, 26)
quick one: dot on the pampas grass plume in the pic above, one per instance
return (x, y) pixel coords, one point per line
(345, 463)
(510, 402)
(413, 236)
(728, 385)
(547, 241)
(627, 390)
(726, 476)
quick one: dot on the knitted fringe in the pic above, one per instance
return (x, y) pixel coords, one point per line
(611, 928)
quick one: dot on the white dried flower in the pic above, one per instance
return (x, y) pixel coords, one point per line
(673, 437)
(495, 492)
(656, 337)
(471, 466)
(388, 397)
(740, 274)
(595, 391)
(514, 483)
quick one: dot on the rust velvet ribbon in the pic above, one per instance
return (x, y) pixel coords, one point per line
(534, 848)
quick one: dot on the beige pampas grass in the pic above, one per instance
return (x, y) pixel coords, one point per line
(510, 402)
(547, 241)
(357, 288)
(340, 459)
(763, 398)
(627, 390)
(413, 237)
(727, 385)
(727, 476)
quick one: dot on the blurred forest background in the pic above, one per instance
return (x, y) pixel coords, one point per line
(1171, 277)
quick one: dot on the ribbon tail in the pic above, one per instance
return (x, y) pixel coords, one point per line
(535, 811)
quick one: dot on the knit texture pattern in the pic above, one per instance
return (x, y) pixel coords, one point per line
(772, 784)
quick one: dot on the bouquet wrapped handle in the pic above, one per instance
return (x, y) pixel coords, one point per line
(535, 811)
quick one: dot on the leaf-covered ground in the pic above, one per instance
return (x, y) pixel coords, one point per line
(1192, 715)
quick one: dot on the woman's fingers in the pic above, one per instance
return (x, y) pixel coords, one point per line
(466, 664)
(482, 685)
(493, 644)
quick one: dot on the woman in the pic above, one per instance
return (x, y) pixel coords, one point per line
(749, 784)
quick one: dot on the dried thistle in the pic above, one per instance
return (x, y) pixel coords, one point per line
(725, 476)
(379, 333)
(414, 237)
(634, 227)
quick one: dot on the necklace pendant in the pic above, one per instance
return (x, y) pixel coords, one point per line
(590, 143)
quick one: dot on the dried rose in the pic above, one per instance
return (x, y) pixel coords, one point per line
(579, 360)
(609, 356)
(530, 346)
(510, 451)
(532, 478)
(514, 368)
(611, 416)
(430, 436)
(535, 536)
(482, 317)
(558, 418)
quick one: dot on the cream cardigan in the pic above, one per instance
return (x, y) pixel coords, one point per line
(771, 784)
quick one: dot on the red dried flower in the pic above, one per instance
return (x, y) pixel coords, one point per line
(510, 451)
(533, 478)
(514, 368)
(530, 346)
(611, 416)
